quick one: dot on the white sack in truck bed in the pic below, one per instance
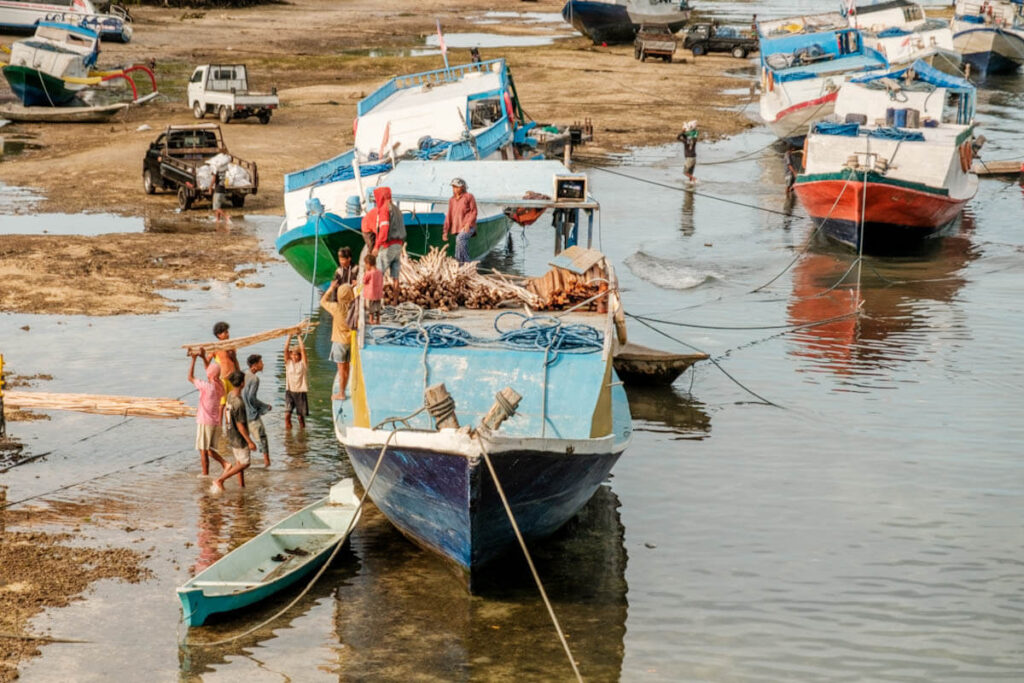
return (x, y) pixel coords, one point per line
(236, 176)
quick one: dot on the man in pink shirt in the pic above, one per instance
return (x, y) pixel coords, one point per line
(208, 415)
(461, 219)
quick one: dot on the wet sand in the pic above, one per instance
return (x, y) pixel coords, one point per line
(320, 76)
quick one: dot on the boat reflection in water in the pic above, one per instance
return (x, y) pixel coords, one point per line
(665, 409)
(405, 617)
(898, 317)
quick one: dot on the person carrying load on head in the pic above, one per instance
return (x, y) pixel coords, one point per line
(688, 137)
(390, 233)
(460, 219)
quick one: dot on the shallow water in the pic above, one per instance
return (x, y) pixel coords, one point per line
(866, 527)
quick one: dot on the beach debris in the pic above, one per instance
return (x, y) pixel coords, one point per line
(144, 127)
(97, 403)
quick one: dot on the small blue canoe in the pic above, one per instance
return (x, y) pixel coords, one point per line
(283, 554)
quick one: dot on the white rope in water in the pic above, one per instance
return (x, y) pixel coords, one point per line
(529, 560)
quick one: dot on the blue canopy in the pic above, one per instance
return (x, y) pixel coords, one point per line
(927, 74)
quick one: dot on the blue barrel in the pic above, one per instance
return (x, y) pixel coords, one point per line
(900, 118)
(353, 207)
(890, 116)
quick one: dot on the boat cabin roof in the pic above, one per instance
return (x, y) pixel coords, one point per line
(803, 24)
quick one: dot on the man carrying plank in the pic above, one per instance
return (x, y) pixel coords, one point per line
(208, 416)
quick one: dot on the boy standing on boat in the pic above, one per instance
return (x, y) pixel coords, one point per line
(238, 434)
(255, 409)
(296, 385)
(373, 290)
(461, 219)
(341, 333)
(390, 233)
(208, 414)
(689, 139)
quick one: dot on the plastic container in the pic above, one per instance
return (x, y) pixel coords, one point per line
(913, 118)
(899, 119)
(890, 116)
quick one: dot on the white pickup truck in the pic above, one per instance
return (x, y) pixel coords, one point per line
(223, 89)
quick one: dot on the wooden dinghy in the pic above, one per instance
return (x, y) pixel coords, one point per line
(274, 560)
(18, 112)
(640, 365)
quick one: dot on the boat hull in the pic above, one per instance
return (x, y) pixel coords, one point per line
(990, 50)
(895, 213)
(37, 89)
(605, 22)
(447, 503)
(312, 251)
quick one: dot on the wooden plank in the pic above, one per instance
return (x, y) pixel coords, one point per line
(304, 532)
(236, 343)
(223, 584)
(992, 168)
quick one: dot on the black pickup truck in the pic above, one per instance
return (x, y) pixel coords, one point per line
(178, 161)
(709, 37)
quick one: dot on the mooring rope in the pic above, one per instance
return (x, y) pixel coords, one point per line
(529, 560)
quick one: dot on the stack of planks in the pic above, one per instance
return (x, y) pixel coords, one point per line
(439, 281)
(95, 403)
(560, 288)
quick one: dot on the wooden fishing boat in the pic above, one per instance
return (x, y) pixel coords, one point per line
(990, 34)
(23, 16)
(461, 113)
(568, 418)
(804, 60)
(47, 69)
(900, 30)
(891, 175)
(86, 114)
(285, 553)
(643, 366)
(617, 21)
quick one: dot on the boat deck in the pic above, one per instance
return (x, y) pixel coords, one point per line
(423, 96)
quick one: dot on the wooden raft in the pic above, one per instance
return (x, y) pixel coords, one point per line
(98, 403)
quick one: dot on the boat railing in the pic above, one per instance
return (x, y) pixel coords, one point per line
(435, 77)
(308, 176)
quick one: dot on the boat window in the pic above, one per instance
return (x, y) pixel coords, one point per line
(913, 13)
(483, 113)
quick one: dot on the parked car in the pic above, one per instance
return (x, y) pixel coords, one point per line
(223, 89)
(654, 40)
(710, 37)
(182, 160)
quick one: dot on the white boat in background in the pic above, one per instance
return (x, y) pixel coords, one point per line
(990, 34)
(21, 16)
(895, 160)
(901, 31)
(804, 60)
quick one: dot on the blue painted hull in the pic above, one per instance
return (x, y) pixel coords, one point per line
(198, 607)
(448, 503)
(990, 63)
(603, 22)
(990, 50)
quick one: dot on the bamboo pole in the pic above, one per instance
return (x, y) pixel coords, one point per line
(228, 344)
(100, 404)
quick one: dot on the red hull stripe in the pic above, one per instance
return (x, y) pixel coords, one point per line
(809, 103)
(886, 204)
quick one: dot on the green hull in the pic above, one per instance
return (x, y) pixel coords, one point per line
(305, 248)
(37, 89)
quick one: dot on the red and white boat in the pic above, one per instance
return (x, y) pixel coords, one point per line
(804, 61)
(894, 164)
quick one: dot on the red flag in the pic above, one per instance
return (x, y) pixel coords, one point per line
(440, 39)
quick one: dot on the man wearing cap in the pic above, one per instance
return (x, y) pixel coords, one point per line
(461, 219)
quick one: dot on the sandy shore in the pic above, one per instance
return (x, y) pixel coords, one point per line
(320, 75)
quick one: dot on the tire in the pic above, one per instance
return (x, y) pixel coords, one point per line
(643, 56)
(668, 59)
(697, 50)
(147, 182)
(739, 52)
(225, 114)
(198, 110)
(238, 200)
(185, 199)
(264, 117)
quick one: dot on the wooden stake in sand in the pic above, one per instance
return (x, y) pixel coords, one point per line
(302, 328)
(96, 403)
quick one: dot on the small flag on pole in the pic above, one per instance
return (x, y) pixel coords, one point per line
(440, 43)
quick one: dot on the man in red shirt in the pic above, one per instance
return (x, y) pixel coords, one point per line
(461, 219)
(389, 228)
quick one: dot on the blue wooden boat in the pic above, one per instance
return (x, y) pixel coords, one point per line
(285, 553)
(617, 21)
(460, 113)
(569, 429)
(991, 40)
